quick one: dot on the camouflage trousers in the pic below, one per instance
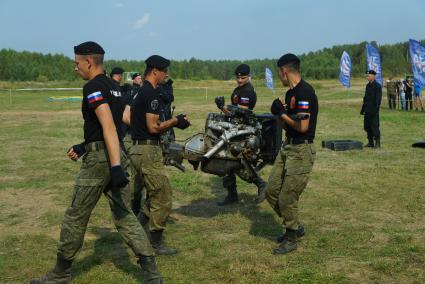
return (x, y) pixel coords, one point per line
(149, 164)
(288, 179)
(136, 185)
(93, 180)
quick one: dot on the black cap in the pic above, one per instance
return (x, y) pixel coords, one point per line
(87, 48)
(156, 61)
(287, 58)
(135, 75)
(242, 70)
(117, 70)
(372, 72)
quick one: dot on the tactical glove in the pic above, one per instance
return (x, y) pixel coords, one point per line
(219, 101)
(182, 122)
(79, 149)
(169, 83)
(277, 108)
(118, 177)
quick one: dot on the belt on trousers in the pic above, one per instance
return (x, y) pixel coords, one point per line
(297, 141)
(95, 146)
(146, 142)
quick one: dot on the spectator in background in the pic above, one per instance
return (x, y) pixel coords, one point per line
(418, 97)
(408, 88)
(402, 94)
(391, 93)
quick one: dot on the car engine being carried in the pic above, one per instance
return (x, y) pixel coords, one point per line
(238, 141)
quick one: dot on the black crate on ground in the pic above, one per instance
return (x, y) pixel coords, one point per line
(342, 145)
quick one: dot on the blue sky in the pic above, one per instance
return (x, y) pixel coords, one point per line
(219, 29)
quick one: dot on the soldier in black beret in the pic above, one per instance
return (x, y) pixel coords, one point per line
(293, 164)
(370, 110)
(103, 171)
(146, 154)
(116, 74)
(243, 96)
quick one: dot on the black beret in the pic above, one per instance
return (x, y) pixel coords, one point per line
(287, 58)
(87, 48)
(242, 70)
(156, 61)
(117, 70)
(135, 75)
(372, 72)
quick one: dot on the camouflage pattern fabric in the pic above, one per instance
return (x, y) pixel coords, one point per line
(93, 180)
(149, 164)
(288, 179)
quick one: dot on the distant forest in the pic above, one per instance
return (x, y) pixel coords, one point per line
(321, 64)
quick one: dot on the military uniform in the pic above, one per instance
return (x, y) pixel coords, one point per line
(293, 164)
(244, 96)
(295, 161)
(392, 93)
(370, 109)
(95, 179)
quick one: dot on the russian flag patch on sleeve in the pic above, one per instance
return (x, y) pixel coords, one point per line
(94, 97)
(303, 105)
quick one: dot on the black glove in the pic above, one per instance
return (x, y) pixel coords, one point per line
(79, 149)
(169, 83)
(182, 122)
(219, 101)
(277, 107)
(118, 177)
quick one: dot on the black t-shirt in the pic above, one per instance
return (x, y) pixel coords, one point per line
(302, 99)
(100, 90)
(145, 101)
(244, 96)
(372, 98)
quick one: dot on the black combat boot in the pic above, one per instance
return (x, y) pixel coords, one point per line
(261, 186)
(232, 196)
(158, 245)
(289, 245)
(300, 234)
(150, 271)
(61, 274)
(370, 143)
(377, 143)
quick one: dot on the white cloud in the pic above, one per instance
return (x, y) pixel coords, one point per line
(140, 23)
(119, 5)
(152, 34)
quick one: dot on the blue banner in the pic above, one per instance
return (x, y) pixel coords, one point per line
(345, 70)
(269, 79)
(417, 59)
(374, 62)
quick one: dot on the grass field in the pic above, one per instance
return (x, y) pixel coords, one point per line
(364, 211)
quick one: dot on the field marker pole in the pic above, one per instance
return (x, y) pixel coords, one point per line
(10, 96)
(206, 93)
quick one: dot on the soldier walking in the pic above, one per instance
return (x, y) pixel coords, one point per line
(146, 153)
(293, 164)
(102, 171)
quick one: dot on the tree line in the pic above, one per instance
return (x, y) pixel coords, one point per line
(321, 64)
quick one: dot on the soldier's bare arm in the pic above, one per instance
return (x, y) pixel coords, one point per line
(104, 115)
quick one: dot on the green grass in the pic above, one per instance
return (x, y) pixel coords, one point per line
(364, 211)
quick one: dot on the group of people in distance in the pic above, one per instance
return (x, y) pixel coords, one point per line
(106, 161)
(404, 94)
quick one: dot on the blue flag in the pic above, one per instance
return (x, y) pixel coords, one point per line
(374, 61)
(269, 79)
(417, 59)
(345, 69)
